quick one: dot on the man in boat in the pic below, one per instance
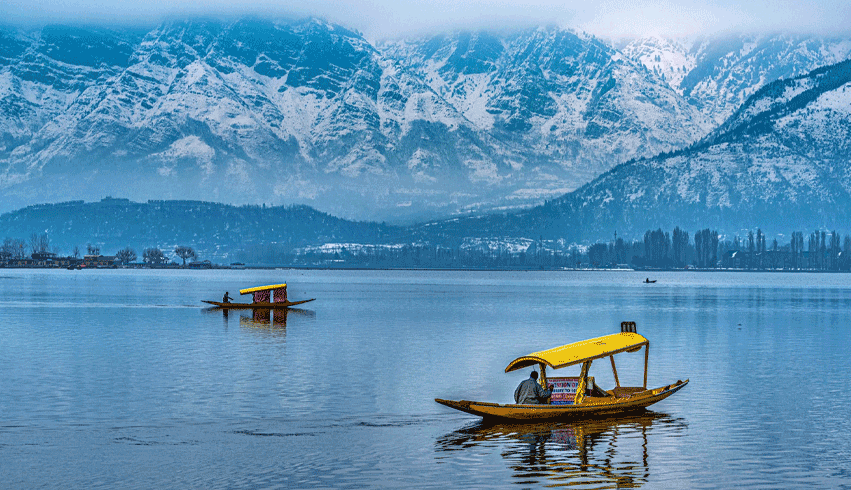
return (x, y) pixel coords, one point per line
(531, 392)
(226, 298)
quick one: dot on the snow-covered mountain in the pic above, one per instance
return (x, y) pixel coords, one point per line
(717, 74)
(554, 95)
(310, 112)
(250, 111)
(781, 162)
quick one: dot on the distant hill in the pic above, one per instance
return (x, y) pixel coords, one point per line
(216, 231)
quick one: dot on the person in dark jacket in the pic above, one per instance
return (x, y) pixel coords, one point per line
(530, 392)
(226, 298)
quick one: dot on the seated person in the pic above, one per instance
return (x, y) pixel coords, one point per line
(530, 392)
(226, 298)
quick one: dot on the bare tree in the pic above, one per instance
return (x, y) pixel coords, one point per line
(39, 243)
(125, 255)
(154, 256)
(184, 252)
(7, 250)
(19, 248)
(76, 252)
(33, 243)
(92, 249)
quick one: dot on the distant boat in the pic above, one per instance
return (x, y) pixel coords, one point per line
(265, 297)
(648, 281)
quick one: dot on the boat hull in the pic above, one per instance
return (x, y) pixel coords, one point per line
(257, 306)
(591, 408)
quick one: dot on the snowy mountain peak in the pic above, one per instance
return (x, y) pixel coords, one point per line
(671, 60)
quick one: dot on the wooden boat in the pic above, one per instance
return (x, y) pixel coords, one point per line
(265, 297)
(648, 281)
(259, 306)
(578, 397)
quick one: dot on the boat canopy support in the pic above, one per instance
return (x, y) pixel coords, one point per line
(646, 359)
(276, 293)
(615, 371)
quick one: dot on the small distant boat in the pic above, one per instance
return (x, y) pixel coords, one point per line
(578, 397)
(648, 281)
(265, 297)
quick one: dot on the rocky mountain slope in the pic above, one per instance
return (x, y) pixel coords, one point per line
(781, 162)
(241, 112)
(554, 95)
(717, 74)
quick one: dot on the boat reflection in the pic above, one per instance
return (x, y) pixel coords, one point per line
(262, 318)
(606, 453)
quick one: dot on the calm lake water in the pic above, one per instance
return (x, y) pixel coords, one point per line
(121, 379)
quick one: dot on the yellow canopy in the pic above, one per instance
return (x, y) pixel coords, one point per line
(570, 354)
(261, 288)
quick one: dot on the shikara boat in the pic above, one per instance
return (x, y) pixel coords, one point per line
(578, 397)
(265, 297)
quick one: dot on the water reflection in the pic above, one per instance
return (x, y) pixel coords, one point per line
(267, 319)
(607, 453)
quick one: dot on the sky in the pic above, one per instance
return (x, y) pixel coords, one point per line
(612, 19)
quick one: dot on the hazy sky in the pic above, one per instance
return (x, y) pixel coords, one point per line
(389, 18)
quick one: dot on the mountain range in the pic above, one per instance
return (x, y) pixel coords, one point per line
(612, 136)
(304, 111)
(781, 162)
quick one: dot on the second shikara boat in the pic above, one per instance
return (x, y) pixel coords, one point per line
(578, 397)
(265, 297)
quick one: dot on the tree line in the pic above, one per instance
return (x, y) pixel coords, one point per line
(39, 245)
(657, 249)
(824, 251)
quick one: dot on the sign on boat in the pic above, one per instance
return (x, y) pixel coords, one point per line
(578, 397)
(264, 297)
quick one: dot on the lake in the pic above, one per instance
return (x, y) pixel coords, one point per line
(121, 379)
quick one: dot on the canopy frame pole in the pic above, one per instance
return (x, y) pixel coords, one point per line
(543, 379)
(583, 383)
(615, 371)
(646, 357)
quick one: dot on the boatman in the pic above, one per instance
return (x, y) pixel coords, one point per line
(530, 392)
(226, 298)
